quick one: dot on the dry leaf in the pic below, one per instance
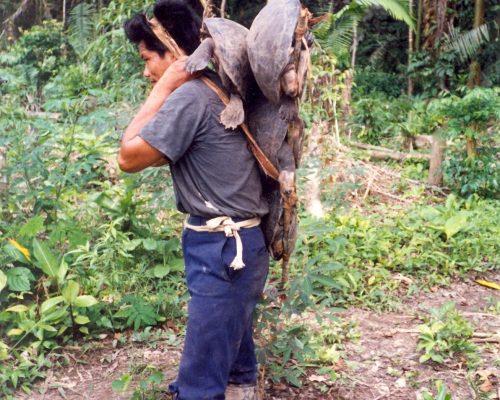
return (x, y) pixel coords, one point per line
(491, 285)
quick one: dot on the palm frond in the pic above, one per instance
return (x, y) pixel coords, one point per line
(80, 27)
(399, 9)
(467, 44)
(335, 33)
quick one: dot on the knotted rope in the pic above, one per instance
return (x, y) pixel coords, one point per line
(230, 228)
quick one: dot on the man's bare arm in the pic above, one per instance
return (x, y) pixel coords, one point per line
(135, 153)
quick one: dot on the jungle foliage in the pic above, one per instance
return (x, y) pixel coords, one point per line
(86, 250)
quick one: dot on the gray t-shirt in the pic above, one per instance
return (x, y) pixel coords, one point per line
(213, 170)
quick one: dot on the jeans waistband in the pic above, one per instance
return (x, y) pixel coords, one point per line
(200, 221)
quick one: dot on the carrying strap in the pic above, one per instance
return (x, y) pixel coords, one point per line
(162, 34)
(230, 228)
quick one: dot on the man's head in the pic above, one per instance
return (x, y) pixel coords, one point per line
(181, 22)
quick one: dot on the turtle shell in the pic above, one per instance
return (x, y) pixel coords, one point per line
(270, 132)
(268, 129)
(269, 44)
(230, 49)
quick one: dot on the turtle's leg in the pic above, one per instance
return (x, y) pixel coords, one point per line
(296, 139)
(288, 109)
(286, 165)
(201, 56)
(288, 81)
(233, 115)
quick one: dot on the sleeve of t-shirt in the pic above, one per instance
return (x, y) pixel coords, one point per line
(175, 126)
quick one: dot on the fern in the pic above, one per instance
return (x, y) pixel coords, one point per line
(80, 27)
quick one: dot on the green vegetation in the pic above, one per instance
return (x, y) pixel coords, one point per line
(87, 251)
(445, 335)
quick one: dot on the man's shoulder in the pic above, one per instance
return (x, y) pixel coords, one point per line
(194, 89)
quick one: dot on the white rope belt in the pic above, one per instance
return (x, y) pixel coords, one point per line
(230, 228)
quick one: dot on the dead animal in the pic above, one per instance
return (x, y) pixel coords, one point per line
(225, 45)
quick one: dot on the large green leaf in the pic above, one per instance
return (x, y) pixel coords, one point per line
(19, 278)
(49, 303)
(46, 261)
(85, 301)
(70, 291)
(455, 224)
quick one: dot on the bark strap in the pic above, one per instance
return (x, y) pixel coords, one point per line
(230, 228)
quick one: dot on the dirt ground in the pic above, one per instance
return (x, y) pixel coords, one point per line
(382, 364)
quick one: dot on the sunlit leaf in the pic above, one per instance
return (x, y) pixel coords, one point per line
(85, 301)
(48, 304)
(46, 261)
(20, 248)
(17, 308)
(3, 280)
(70, 291)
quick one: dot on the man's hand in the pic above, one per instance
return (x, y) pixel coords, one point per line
(135, 153)
(175, 75)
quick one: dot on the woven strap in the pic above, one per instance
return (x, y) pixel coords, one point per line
(162, 34)
(230, 228)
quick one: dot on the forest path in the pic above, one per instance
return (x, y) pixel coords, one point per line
(382, 364)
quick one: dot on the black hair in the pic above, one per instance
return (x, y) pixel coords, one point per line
(137, 30)
(177, 17)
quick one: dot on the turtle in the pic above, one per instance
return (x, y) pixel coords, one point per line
(270, 132)
(225, 44)
(278, 53)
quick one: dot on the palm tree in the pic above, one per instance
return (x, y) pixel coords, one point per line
(337, 33)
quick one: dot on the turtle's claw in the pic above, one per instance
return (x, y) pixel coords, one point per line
(233, 115)
(194, 64)
(288, 109)
(201, 57)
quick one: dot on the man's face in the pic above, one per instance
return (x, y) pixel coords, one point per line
(154, 64)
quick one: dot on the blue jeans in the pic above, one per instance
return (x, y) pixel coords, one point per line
(219, 347)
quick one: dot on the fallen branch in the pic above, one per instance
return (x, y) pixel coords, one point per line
(42, 114)
(390, 196)
(383, 153)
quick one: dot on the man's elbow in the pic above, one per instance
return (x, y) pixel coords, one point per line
(126, 165)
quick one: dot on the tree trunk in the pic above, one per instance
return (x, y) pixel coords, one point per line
(346, 101)
(436, 164)
(418, 34)
(29, 13)
(410, 50)
(475, 68)
(354, 46)
(475, 72)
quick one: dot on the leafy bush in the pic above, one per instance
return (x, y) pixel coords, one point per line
(39, 54)
(445, 335)
(478, 175)
(370, 82)
(376, 118)
(474, 118)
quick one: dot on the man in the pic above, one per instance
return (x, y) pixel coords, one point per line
(214, 175)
